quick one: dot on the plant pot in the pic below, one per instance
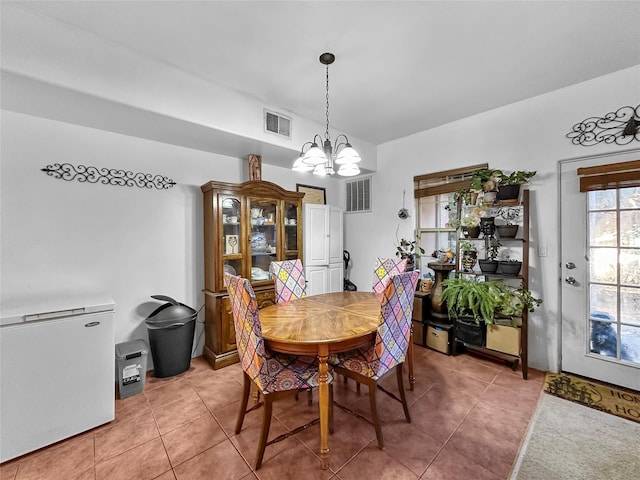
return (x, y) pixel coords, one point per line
(490, 197)
(469, 332)
(471, 232)
(411, 262)
(469, 260)
(507, 231)
(488, 266)
(488, 226)
(508, 192)
(510, 267)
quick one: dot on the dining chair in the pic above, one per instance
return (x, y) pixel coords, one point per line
(383, 269)
(389, 351)
(289, 280)
(275, 375)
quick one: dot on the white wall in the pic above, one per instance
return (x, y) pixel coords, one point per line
(527, 135)
(61, 238)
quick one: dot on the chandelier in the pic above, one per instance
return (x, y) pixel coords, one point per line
(322, 159)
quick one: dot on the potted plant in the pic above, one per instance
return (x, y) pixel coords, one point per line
(469, 256)
(522, 300)
(509, 267)
(490, 264)
(508, 214)
(468, 195)
(509, 185)
(488, 225)
(410, 251)
(504, 336)
(473, 304)
(485, 179)
(470, 226)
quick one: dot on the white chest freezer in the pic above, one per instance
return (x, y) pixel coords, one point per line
(56, 372)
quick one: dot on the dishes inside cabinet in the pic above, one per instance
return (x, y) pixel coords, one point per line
(259, 274)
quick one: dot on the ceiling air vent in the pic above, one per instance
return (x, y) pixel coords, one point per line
(359, 195)
(277, 123)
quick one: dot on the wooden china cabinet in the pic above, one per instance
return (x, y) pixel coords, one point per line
(246, 227)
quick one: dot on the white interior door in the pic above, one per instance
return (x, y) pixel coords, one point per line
(600, 268)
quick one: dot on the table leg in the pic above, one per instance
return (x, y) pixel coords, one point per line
(323, 400)
(412, 379)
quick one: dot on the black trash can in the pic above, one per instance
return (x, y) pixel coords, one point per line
(171, 328)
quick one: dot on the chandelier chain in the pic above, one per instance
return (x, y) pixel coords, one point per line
(326, 133)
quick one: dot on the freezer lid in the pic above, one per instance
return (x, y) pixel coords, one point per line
(39, 309)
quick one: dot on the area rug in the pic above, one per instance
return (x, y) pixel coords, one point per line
(568, 441)
(600, 396)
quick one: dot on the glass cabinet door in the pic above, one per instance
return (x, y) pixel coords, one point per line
(263, 237)
(290, 221)
(232, 246)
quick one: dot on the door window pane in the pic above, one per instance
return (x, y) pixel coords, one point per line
(603, 230)
(630, 266)
(630, 305)
(630, 228)
(630, 339)
(603, 301)
(629, 197)
(602, 200)
(603, 265)
(604, 338)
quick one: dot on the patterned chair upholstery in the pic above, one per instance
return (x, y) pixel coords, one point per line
(389, 350)
(383, 269)
(275, 375)
(289, 279)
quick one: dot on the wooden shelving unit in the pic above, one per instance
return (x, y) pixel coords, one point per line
(522, 241)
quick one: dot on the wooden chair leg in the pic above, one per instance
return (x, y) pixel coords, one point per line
(310, 397)
(374, 413)
(266, 424)
(403, 397)
(244, 402)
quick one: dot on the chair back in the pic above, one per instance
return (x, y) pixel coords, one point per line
(393, 336)
(289, 280)
(383, 269)
(246, 321)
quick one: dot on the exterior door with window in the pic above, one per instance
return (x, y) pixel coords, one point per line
(600, 266)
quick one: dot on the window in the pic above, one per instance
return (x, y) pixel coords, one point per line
(436, 209)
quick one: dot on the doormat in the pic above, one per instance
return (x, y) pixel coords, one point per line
(600, 396)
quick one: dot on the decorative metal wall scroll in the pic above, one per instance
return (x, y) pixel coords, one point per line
(107, 176)
(620, 127)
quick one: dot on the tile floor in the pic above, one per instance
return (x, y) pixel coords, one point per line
(469, 416)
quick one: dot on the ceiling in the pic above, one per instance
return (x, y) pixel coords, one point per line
(401, 67)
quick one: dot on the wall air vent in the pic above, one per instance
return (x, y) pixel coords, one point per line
(277, 123)
(359, 195)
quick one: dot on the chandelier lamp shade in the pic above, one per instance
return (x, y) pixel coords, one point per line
(321, 156)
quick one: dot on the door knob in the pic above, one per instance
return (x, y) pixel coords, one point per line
(570, 265)
(570, 280)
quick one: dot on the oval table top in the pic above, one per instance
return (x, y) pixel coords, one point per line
(328, 318)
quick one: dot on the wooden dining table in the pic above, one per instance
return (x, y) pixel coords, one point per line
(322, 325)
